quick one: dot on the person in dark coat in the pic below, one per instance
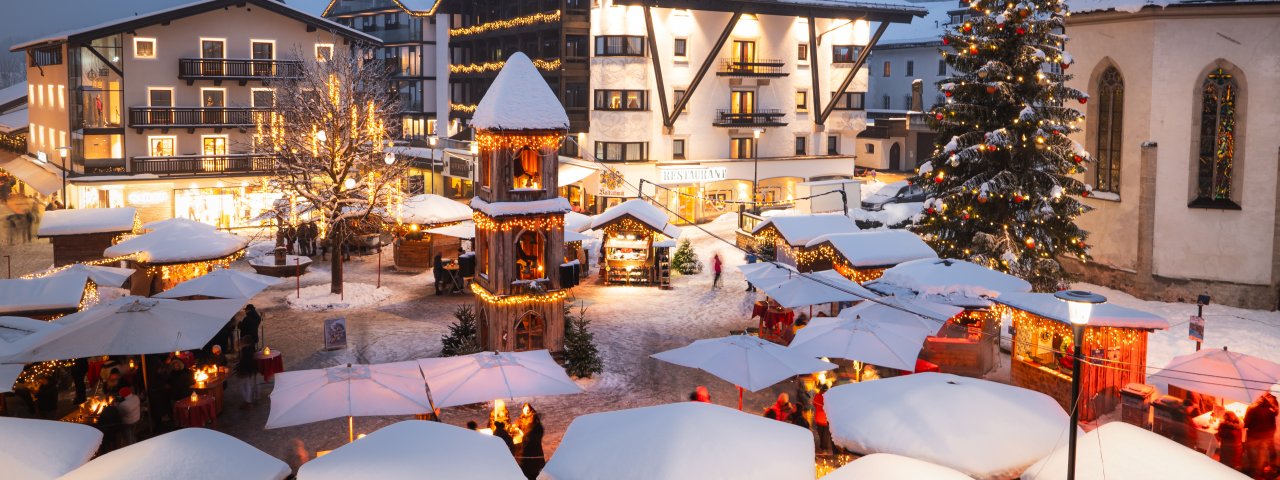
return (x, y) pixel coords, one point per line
(532, 458)
(246, 376)
(47, 398)
(1260, 422)
(1230, 434)
(180, 379)
(437, 271)
(249, 326)
(79, 370)
(289, 234)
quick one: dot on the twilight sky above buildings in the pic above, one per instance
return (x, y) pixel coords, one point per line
(38, 18)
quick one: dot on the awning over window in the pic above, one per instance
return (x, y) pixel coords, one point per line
(570, 174)
(45, 178)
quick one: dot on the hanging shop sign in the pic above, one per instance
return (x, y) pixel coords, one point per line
(457, 167)
(1196, 329)
(692, 175)
(612, 184)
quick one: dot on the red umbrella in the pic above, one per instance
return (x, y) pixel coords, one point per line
(923, 365)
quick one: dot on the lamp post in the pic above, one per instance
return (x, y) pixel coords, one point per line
(432, 140)
(755, 169)
(1079, 307)
(62, 152)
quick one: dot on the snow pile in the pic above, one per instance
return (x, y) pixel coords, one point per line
(430, 209)
(877, 248)
(408, 449)
(185, 453)
(86, 220)
(891, 214)
(270, 260)
(1130, 452)
(354, 295)
(798, 230)
(551, 205)
(577, 222)
(884, 466)
(519, 99)
(642, 211)
(681, 441)
(984, 429)
(955, 282)
(43, 449)
(57, 292)
(178, 243)
(1105, 315)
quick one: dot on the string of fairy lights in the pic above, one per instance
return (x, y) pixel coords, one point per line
(539, 63)
(495, 25)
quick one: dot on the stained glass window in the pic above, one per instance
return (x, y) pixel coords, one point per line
(1110, 130)
(1216, 157)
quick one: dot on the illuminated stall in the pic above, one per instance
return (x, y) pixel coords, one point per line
(80, 235)
(788, 235)
(862, 256)
(415, 247)
(636, 247)
(176, 251)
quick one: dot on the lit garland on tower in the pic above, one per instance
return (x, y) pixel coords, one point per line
(518, 299)
(542, 222)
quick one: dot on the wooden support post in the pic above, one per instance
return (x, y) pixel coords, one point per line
(712, 56)
(813, 72)
(657, 64)
(857, 65)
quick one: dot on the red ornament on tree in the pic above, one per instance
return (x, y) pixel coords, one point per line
(991, 89)
(1084, 193)
(973, 50)
(1031, 242)
(1077, 159)
(1021, 31)
(982, 199)
(938, 116)
(937, 179)
(1017, 199)
(947, 93)
(1083, 99)
(946, 41)
(930, 211)
(1065, 65)
(966, 216)
(968, 27)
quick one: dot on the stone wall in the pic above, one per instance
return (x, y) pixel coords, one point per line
(1184, 290)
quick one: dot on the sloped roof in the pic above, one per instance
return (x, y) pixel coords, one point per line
(798, 230)
(1133, 6)
(641, 210)
(519, 99)
(921, 30)
(877, 248)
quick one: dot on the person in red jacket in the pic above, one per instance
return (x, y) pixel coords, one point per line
(717, 266)
(781, 410)
(820, 423)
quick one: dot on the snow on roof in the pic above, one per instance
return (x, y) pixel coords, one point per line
(887, 466)
(947, 420)
(551, 205)
(1104, 315)
(1130, 452)
(100, 274)
(17, 119)
(14, 329)
(176, 221)
(798, 230)
(406, 449)
(179, 244)
(430, 209)
(44, 449)
(906, 6)
(681, 441)
(57, 292)
(185, 453)
(576, 221)
(80, 221)
(950, 281)
(641, 210)
(921, 29)
(877, 248)
(519, 99)
(13, 92)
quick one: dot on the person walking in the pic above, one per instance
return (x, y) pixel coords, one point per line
(249, 326)
(532, 458)
(717, 266)
(820, 422)
(246, 373)
(437, 271)
(1260, 427)
(1230, 433)
(751, 258)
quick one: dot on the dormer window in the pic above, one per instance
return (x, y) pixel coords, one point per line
(527, 169)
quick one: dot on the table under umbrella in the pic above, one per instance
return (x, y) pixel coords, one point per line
(182, 454)
(748, 362)
(44, 449)
(407, 450)
(221, 283)
(1221, 373)
(306, 396)
(485, 376)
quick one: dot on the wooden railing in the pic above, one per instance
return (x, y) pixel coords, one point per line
(166, 117)
(223, 69)
(203, 164)
(758, 118)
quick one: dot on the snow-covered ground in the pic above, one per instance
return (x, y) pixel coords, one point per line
(320, 297)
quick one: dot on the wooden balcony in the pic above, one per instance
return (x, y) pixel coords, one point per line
(758, 118)
(194, 117)
(753, 68)
(218, 70)
(234, 163)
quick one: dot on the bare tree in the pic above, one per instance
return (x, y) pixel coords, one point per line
(331, 129)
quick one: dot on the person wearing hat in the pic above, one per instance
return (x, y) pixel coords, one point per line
(130, 412)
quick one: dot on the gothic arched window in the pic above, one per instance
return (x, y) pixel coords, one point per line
(1110, 131)
(1215, 160)
(530, 329)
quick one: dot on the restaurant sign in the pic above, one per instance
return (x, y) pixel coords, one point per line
(692, 175)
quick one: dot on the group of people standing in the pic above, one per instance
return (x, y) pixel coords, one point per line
(1248, 444)
(807, 409)
(522, 434)
(304, 236)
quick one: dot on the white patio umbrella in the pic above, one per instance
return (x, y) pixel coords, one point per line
(100, 274)
(816, 288)
(221, 283)
(861, 339)
(885, 466)
(306, 396)
(984, 429)
(465, 230)
(182, 454)
(1120, 450)
(904, 312)
(681, 441)
(767, 273)
(44, 449)
(1224, 374)
(13, 331)
(746, 361)
(485, 376)
(416, 449)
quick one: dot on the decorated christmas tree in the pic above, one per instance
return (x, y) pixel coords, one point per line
(462, 339)
(1001, 180)
(685, 260)
(582, 358)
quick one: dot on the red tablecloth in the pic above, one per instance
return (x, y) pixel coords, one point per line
(269, 365)
(197, 414)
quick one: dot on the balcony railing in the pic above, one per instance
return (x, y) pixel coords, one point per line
(758, 118)
(203, 164)
(223, 69)
(190, 117)
(753, 68)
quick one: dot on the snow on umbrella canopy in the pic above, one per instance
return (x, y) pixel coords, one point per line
(861, 339)
(221, 283)
(412, 448)
(745, 361)
(1229, 375)
(486, 376)
(307, 396)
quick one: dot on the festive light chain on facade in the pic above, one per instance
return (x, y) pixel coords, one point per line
(485, 222)
(548, 297)
(193, 269)
(1035, 325)
(540, 64)
(629, 225)
(489, 141)
(101, 261)
(462, 107)
(508, 23)
(90, 296)
(808, 257)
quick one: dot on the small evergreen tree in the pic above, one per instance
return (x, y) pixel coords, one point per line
(766, 251)
(462, 338)
(582, 358)
(685, 260)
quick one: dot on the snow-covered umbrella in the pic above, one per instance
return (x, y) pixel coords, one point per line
(485, 376)
(885, 466)
(221, 283)
(904, 312)
(1120, 450)
(100, 274)
(681, 441)
(306, 396)
(1221, 373)
(13, 331)
(861, 339)
(815, 288)
(767, 272)
(182, 454)
(44, 449)
(415, 449)
(464, 230)
(983, 429)
(745, 361)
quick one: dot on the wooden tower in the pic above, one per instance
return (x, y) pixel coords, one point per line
(518, 214)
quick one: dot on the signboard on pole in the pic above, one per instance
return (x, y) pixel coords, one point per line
(457, 167)
(335, 333)
(1196, 329)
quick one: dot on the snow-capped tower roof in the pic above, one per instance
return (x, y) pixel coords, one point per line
(519, 99)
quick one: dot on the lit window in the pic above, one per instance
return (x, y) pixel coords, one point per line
(144, 47)
(1216, 157)
(526, 169)
(161, 146)
(324, 51)
(62, 97)
(1110, 121)
(802, 101)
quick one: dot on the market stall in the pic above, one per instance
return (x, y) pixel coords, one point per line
(1115, 342)
(54, 293)
(789, 234)
(174, 253)
(415, 248)
(1214, 381)
(863, 256)
(967, 344)
(81, 235)
(633, 252)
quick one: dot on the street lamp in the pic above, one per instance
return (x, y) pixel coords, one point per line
(755, 169)
(350, 183)
(390, 158)
(63, 152)
(1079, 307)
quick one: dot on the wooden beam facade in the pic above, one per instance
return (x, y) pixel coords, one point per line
(712, 56)
(857, 65)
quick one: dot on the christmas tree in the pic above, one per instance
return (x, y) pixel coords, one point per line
(1001, 179)
(582, 358)
(685, 260)
(461, 339)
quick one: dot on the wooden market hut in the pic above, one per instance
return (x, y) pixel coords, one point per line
(788, 235)
(1115, 341)
(81, 235)
(175, 252)
(863, 256)
(415, 248)
(636, 248)
(59, 291)
(968, 343)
